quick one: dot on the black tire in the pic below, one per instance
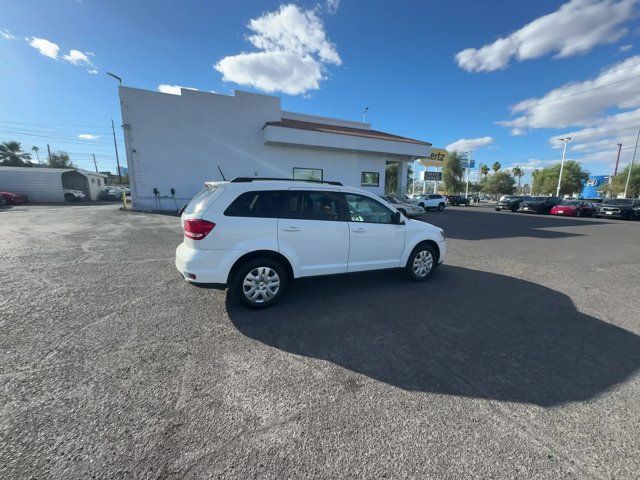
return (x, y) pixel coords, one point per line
(440, 207)
(414, 267)
(259, 267)
(498, 209)
(68, 197)
(578, 213)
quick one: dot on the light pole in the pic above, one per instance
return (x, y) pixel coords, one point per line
(466, 192)
(364, 115)
(633, 160)
(564, 151)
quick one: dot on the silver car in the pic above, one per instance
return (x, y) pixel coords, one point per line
(407, 209)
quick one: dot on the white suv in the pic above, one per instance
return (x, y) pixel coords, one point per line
(255, 235)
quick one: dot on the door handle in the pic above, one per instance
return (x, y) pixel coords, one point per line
(291, 229)
(359, 230)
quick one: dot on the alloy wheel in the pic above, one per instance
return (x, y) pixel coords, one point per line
(422, 263)
(261, 284)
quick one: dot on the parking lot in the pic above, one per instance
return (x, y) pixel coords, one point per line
(520, 358)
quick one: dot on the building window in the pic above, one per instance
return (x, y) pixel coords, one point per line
(370, 179)
(307, 174)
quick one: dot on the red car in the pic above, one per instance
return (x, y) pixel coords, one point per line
(13, 198)
(573, 208)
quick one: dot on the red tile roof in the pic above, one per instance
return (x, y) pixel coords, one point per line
(356, 132)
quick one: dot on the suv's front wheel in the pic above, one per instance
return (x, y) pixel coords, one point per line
(259, 283)
(421, 263)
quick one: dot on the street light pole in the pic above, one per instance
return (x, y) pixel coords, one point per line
(633, 160)
(466, 192)
(364, 115)
(564, 151)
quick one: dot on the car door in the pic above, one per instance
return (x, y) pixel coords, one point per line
(313, 232)
(375, 241)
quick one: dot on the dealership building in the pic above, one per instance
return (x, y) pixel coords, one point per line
(174, 143)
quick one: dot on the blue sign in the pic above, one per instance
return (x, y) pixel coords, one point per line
(591, 188)
(468, 163)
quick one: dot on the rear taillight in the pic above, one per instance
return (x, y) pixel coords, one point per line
(197, 229)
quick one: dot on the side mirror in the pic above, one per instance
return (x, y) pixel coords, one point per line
(397, 218)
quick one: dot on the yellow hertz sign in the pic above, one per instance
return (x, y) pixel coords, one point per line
(437, 159)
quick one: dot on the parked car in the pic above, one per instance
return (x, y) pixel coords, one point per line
(539, 204)
(573, 208)
(431, 202)
(71, 195)
(111, 193)
(255, 235)
(458, 200)
(510, 202)
(14, 198)
(617, 208)
(636, 213)
(407, 209)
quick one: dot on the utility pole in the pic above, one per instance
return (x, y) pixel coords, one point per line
(94, 162)
(615, 172)
(49, 150)
(115, 145)
(564, 151)
(633, 160)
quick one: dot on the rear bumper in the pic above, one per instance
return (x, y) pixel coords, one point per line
(207, 266)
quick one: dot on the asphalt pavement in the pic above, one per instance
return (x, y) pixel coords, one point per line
(519, 358)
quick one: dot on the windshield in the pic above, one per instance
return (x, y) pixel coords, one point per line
(391, 199)
(618, 201)
(571, 203)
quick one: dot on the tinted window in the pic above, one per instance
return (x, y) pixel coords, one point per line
(313, 205)
(365, 209)
(265, 204)
(435, 196)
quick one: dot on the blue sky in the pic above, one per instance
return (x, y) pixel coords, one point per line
(504, 79)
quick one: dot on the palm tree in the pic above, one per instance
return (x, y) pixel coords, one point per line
(517, 172)
(36, 149)
(11, 155)
(496, 166)
(484, 170)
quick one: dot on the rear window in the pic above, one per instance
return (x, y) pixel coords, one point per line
(200, 202)
(262, 204)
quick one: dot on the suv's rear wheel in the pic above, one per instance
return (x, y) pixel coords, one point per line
(440, 207)
(421, 263)
(259, 283)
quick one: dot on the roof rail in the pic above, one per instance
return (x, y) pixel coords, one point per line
(252, 179)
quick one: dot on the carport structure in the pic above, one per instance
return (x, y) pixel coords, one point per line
(48, 184)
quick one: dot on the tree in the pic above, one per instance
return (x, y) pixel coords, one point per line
(500, 183)
(452, 174)
(496, 166)
(545, 181)
(36, 149)
(616, 187)
(11, 155)
(484, 170)
(60, 160)
(517, 173)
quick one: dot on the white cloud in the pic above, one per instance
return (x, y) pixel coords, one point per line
(44, 46)
(92, 71)
(76, 57)
(293, 50)
(575, 28)
(7, 34)
(625, 48)
(88, 136)
(332, 6)
(173, 89)
(580, 103)
(469, 144)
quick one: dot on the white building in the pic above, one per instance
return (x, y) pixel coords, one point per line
(48, 184)
(180, 141)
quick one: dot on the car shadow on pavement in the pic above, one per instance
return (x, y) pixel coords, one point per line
(464, 332)
(463, 224)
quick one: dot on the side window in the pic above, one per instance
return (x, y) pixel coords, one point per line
(435, 196)
(365, 209)
(313, 205)
(262, 204)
